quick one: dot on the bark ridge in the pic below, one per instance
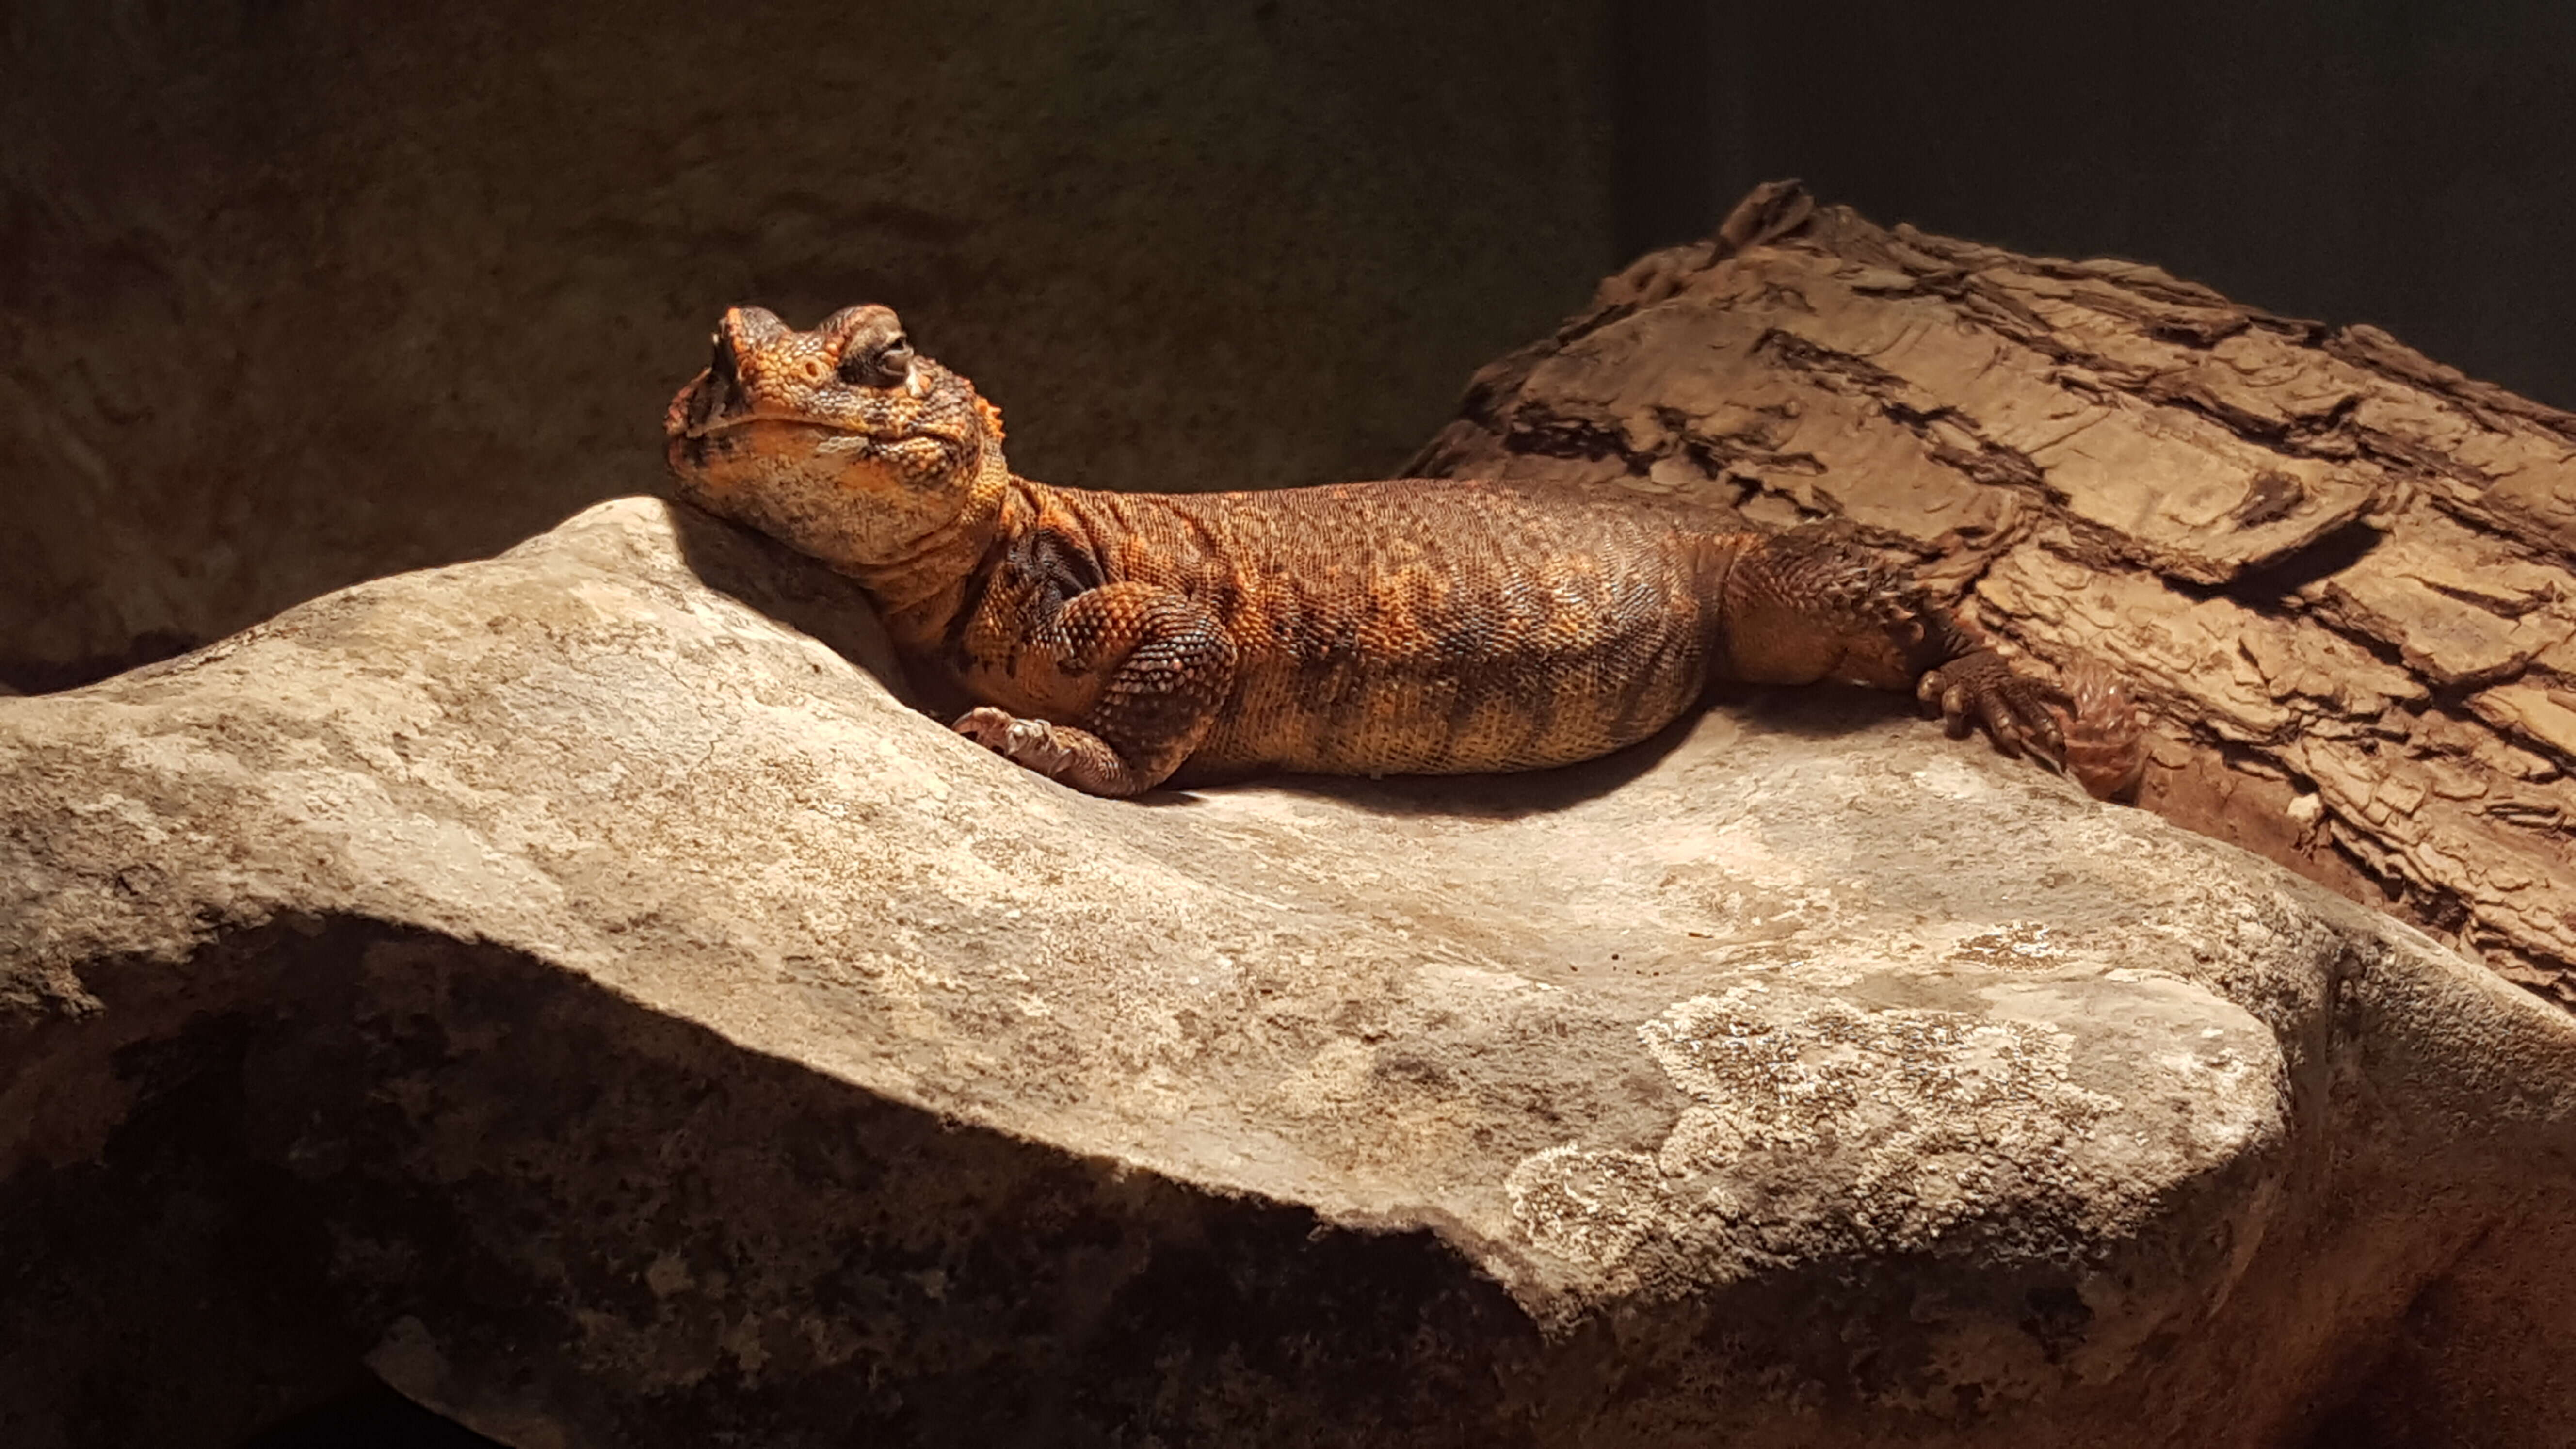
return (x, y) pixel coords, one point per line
(2335, 572)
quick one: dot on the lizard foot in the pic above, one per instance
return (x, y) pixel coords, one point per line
(1062, 753)
(2019, 712)
(1029, 742)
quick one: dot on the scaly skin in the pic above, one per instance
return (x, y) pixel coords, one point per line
(1120, 640)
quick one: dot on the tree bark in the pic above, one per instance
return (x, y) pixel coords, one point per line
(2334, 573)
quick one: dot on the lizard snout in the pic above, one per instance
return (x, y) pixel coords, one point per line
(719, 391)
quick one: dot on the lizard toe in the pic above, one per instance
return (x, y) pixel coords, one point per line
(2036, 707)
(1033, 743)
(986, 726)
(1030, 742)
(2003, 726)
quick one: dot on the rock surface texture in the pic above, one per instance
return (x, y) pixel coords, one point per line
(620, 1021)
(2336, 572)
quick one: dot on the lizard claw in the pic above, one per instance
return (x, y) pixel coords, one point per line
(1029, 742)
(2017, 711)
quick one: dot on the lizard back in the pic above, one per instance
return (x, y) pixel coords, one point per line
(1417, 626)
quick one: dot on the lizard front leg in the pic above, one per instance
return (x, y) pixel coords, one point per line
(1163, 664)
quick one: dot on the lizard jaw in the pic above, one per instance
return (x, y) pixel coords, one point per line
(740, 421)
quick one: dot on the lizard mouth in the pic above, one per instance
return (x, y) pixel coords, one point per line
(822, 439)
(700, 446)
(737, 422)
(711, 407)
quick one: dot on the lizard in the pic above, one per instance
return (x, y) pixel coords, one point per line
(1117, 642)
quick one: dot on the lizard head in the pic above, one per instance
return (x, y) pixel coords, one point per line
(842, 442)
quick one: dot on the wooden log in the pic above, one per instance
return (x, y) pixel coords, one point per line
(2335, 573)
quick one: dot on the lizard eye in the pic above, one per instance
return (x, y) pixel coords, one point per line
(885, 366)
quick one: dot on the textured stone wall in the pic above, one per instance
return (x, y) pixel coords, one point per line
(253, 251)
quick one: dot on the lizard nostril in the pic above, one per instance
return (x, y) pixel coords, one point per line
(722, 365)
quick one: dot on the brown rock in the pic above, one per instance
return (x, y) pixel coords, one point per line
(617, 1019)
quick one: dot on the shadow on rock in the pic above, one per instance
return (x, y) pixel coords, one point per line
(794, 590)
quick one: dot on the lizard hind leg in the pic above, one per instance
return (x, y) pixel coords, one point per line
(1809, 605)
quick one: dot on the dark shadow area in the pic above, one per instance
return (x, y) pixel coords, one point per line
(541, 1168)
(372, 1418)
(357, 1123)
(2271, 587)
(800, 592)
(1823, 711)
(2398, 162)
(1666, 174)
(1509, 796)
(1814, 711)
(171, 1289)
(39, 676)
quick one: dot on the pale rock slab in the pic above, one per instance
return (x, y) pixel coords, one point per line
(618, 1020)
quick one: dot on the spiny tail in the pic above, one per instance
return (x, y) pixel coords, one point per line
(2106, 736)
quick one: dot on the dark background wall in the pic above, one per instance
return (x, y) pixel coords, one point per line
(2410, 163)
(293, 292)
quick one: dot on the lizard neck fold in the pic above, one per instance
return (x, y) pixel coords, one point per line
(921, 592)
